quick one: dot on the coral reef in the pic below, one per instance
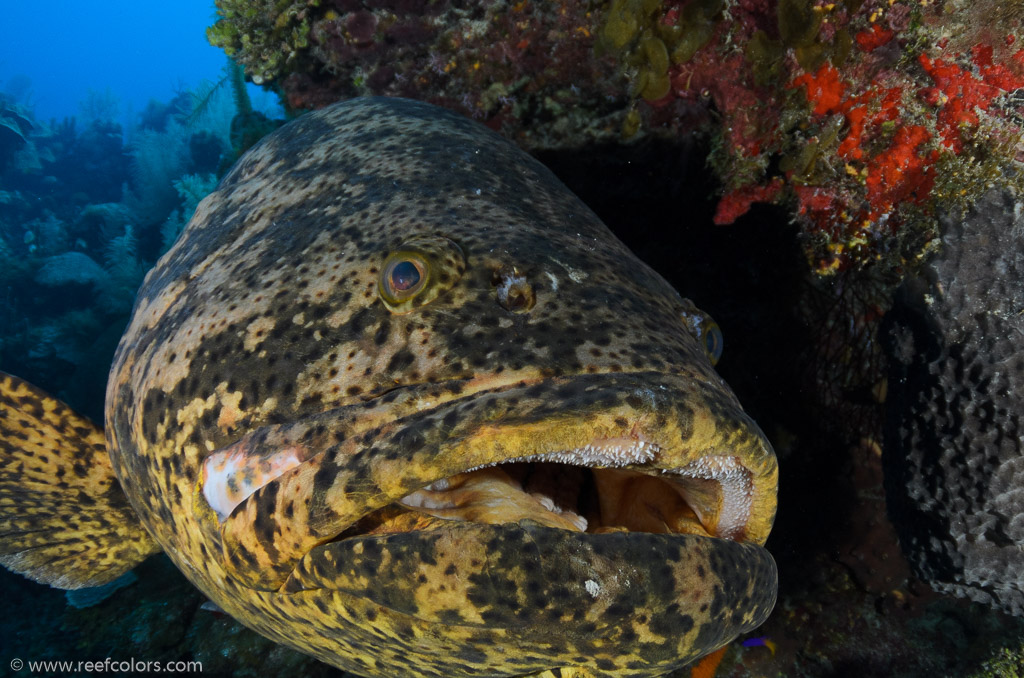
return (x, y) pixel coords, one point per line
(15, 126)
(523, 67)
(266, 35)
(191, 189)
(954, 448)
(84, 214)
(1008, 664)
(861, 116)
(70, 268)
(158, 158)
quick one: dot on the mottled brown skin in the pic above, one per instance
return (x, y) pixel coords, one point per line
(264, 327)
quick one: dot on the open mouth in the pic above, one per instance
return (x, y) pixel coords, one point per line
(582, 490)
(581, 498)
(585, 458)
(627, 511)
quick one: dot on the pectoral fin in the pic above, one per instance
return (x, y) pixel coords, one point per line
(64, 519)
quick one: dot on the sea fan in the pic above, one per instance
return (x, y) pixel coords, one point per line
(158, 158)
(192, 188)
(212, 110)
(99, 106)
(126, 273)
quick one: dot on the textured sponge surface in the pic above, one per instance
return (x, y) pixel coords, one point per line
(954, 452)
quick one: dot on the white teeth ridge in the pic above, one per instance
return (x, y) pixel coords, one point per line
(592, 455)
(736, 487)
(606, 456)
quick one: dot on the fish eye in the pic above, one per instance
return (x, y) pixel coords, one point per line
(419, 271)
(705, 330)
(405, 277)
(405, 274)
(713, 341)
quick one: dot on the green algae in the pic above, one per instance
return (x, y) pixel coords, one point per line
(637, 33)
(696, 27)
(631, 123)
(653, 81)
(765, 56)
(799, 22)
(810, 165)
(1006, 663)
(799, 27)
(620, 27)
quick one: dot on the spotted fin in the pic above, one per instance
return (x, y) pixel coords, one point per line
(64, 519)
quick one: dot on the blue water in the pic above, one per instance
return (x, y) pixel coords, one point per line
(140, 50)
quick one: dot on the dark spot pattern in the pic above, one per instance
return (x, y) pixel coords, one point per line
(264, 325)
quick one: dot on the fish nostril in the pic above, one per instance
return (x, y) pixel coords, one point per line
(515, 293)
(517, 301)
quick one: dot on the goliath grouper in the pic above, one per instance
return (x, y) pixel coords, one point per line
(397, 399)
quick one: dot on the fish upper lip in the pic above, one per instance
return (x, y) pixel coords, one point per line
(333, 487)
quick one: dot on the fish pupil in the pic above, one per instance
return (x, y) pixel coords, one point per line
(405, 276)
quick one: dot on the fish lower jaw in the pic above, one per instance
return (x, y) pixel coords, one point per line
(591, 490)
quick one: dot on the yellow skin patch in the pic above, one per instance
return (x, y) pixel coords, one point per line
(397, 399)
(49, 454)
